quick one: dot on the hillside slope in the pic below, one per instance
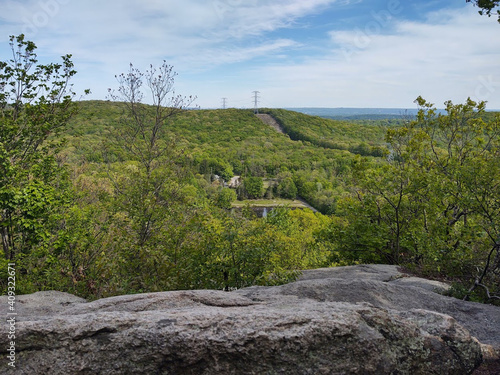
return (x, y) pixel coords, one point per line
(335, 134)
(234, 136)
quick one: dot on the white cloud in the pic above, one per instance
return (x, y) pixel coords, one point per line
(240, 18)
(105, 36)
(172, 25)
(452, 59)
(451, 55)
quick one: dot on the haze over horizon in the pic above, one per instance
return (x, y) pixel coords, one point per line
(296, 53)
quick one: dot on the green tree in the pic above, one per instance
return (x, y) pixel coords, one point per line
(35, 106)
(461, 151)
(224, 198)
(241, 252)
(253, 187)
(434, 203)
(149, 188)
(152, 181)
(287, 189)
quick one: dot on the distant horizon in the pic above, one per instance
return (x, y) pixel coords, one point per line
(363, 109)
(337, 108)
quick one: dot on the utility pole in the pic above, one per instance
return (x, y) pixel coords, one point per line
(256, 102)
(224, 103)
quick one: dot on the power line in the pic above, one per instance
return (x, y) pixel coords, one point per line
(256, 101)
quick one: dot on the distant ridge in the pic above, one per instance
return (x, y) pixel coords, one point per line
(363, 113)
(357, 113)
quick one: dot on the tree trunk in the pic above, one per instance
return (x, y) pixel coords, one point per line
(6, 243)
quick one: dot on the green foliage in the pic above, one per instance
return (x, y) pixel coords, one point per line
(435, 203)
(150, 223)
(253, 187)
(287, 189)
(213, 166)
(244, 252)
(224, 198)
(224, 143)
(35, 107)
(332, 134)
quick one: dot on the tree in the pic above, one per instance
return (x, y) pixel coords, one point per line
(440, 192)
(434, 204)
(287, 189)
(143, 128)
(253, 187)
(224, 198)
(487, 7)
(149, 195)
(35, 107)
(150, 184)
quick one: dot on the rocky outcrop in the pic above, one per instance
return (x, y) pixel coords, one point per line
(381, 285)
(313, 326)
(389, 287)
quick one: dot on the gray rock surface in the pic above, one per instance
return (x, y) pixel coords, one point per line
(348, 321)
(388, 287)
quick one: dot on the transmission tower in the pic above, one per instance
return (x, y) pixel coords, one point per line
(224, 103)
(256, 101)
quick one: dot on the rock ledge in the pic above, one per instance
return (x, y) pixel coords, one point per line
(348, 321)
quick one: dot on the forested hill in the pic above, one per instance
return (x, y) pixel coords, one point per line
(237, 129)
(315, 152)
(134, 204)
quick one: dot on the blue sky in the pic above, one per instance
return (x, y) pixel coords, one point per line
(297, 53)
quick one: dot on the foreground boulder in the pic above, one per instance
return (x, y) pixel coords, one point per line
(389, 287)
(299, 328)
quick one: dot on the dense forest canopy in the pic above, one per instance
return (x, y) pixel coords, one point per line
(100, 198)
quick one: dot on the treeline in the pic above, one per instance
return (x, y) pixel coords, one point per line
(226, 143)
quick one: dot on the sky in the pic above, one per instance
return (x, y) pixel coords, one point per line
(295, 53)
